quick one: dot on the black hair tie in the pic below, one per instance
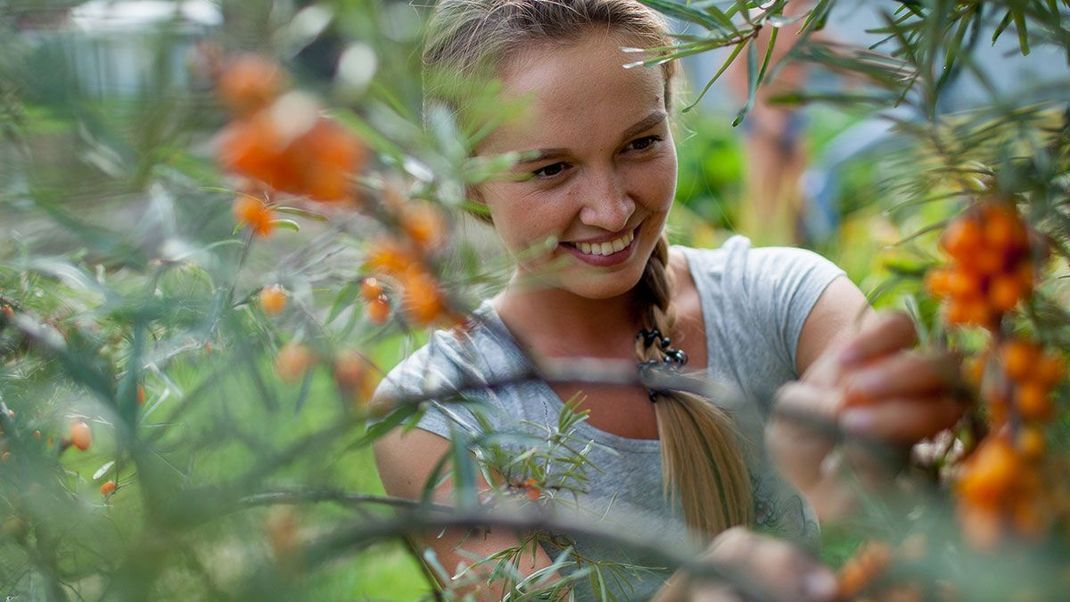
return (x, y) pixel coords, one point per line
(673, 359)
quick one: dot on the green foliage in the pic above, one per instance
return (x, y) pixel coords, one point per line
(130, 298)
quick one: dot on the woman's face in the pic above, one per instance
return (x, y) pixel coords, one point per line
(605, 175)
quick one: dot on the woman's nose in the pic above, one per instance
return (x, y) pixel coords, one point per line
(607, 204)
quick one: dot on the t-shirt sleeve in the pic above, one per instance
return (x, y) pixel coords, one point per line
(433, 372)
(782, 286)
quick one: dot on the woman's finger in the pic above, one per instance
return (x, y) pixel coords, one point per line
(886, 333)
(903, 375)
(773, 567)
(902, 420)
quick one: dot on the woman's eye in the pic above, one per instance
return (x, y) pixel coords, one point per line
(644, 143)
(549, 171)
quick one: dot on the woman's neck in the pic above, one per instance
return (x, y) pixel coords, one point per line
(557, 323)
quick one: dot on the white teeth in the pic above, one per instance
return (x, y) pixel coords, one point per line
(605, 248)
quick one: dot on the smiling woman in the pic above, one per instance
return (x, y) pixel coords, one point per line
(584, 216)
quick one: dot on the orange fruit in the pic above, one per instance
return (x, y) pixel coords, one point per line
(329, 156)
(988, 260)
(390, 257)
(938, 282)
(1018, 358)
(293, 360)
(108, 488)
(249, 83)
(1031, 441)
(1049, 370)
(1034, 401)
(378, 311)
(963, 283)
(273, 299)
(1004, 292)
(370, 289)
(1003, 228)
(80, 435)
(422, 300)
(140, 395)
(424, 224)
(990, 472)
(962, 238)
(255, 214)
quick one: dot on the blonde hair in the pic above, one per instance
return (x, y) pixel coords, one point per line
(474, 38)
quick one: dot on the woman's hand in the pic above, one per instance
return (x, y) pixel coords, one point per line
(766, 569)
(875, 394)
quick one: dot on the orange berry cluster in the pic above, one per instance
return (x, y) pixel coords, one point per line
(1031, 374)
(991, 268)
(422, 297)
(282, 140)
(1000, 491)
(869, 563)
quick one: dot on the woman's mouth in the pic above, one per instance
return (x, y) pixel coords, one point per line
(607, 253)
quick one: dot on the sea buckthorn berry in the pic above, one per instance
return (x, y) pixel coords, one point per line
(938, 282)
(253, 213)
(1005, 291)
(293, 360)
(108, 488)
(273, 299)
(424, 224)
(1049, 370)
(1018, 358)
(859, 571)
(370, 289)
(987, 261)
(990, 473)
(1034, 401)
(378, 311)
(531, 489)
(80, 435)
(1031, 441)
(249, 83)
(390, 257)
(962, 238)
(1003, 228)
(423, 301)
(963, 283)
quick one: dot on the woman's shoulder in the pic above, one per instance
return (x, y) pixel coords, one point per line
(738, 258)
(465, 357)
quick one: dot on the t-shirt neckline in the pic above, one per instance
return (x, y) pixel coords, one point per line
(606, 438)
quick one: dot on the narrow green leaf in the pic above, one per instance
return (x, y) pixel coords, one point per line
(286, 224)
(724, 66)
(1023, 30)
(305, 213)
(344, 299)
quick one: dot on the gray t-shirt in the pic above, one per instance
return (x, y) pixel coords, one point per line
(754, 303)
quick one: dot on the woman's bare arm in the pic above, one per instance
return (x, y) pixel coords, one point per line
(405, 462)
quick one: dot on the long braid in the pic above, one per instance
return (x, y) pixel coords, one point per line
(701, 456)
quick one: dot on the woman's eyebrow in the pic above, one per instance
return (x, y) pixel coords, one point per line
(643, 124)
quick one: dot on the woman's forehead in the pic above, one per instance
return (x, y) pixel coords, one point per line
(575, 93)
